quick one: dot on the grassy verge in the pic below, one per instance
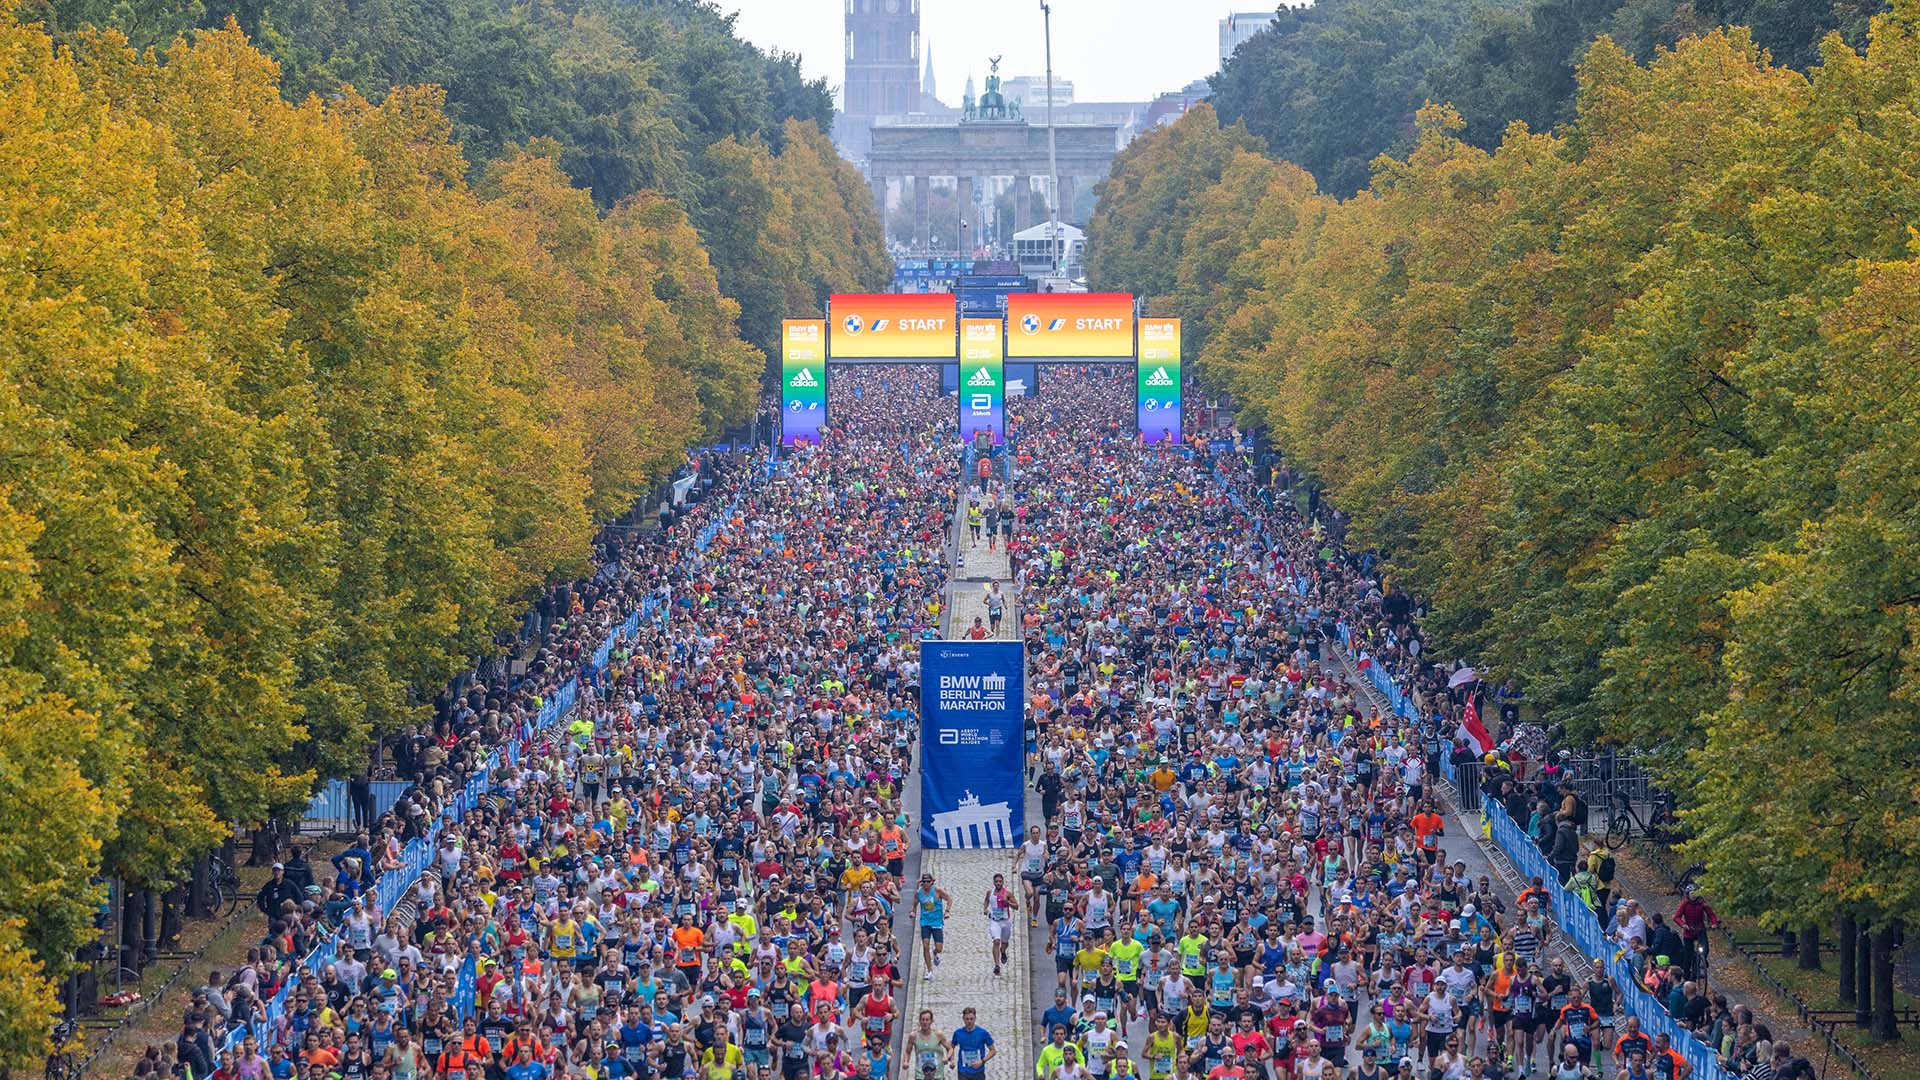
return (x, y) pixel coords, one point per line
(1820, 991)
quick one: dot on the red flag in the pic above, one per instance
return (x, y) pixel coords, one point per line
(1476, 730)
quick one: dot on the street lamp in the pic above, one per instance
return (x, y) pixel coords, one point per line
(1053, 161)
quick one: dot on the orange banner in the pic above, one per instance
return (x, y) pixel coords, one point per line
(892, 326)
(1070, 324)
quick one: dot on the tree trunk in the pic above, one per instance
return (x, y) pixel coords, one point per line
(266, 845)
(173, 905)
(149, 927)
(199, 895)
(1884, 937)
(1863, 977)
(1810, 947)
(1846, 934)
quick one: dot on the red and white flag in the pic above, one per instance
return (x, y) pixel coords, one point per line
(1476, 730)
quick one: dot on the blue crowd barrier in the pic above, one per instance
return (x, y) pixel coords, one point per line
(393, 886)
(332, 806)
(1575, 919)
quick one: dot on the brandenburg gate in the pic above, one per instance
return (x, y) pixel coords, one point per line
(990, 140)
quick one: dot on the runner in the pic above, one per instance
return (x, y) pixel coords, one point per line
(931, 901)
(1000, 906)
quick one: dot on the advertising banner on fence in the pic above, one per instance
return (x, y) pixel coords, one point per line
(983, 381)
(1070, 325)
(972, 743)
(803, 380)
(891, 326)
(1158, 377)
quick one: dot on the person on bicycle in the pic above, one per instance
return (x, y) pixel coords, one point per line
(1694, 916)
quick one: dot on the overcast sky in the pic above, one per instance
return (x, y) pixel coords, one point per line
(1112, 50)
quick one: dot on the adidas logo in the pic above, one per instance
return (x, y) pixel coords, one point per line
(805, 378)
(982, 377)
(1159, 378)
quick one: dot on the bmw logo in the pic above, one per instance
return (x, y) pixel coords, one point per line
(854, 324)
(1030, 323)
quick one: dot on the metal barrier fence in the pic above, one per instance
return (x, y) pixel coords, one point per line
(1575, 919)
(332, 809)
(1600, 777)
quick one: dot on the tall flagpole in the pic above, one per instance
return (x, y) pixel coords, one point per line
(1053, 160)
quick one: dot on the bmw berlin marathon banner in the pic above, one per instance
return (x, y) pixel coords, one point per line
(972, 743)
(803, 380)
(1159, 381)
(983, 381)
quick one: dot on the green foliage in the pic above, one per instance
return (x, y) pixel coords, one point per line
(299, 403)
(1333, 85)
(1148, 201)
(1631, 402)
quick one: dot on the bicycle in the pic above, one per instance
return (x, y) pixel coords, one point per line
(1624, 822)
(223, 882)
(1689, 882)
(64, 1062)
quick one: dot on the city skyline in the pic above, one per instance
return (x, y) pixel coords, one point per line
(1104, 63)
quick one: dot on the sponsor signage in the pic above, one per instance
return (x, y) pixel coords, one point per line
(1070, 325)
(1157, 377)
(803, 380)
(891, 326)
(973, 743)
(983, 381)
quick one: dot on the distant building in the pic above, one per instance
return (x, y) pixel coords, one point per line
(1235, 29)
(1031, 90)
(1174, 104)
(882, 70)
(930, 102)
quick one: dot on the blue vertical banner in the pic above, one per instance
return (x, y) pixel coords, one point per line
(972, 743)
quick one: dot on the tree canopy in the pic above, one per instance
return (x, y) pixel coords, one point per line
(1331, 85)
(304, 392)
(1630, 402)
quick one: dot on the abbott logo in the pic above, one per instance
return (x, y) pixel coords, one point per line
(804, 380)
(949, 736)
(1159, 378)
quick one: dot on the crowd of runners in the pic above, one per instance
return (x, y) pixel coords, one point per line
(1243, 869)
(695, 876)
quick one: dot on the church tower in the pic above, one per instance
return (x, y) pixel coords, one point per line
(883, 69)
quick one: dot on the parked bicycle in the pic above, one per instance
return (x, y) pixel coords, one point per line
(1624, 823)
(64, 1062)
(223, 882)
